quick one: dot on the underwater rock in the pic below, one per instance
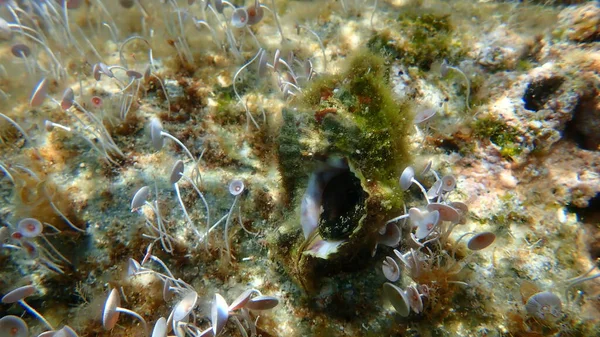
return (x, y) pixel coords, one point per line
(581, 24)
(343, 151)
(500, 49)
(585, 125)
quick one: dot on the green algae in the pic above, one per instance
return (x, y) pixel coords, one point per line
(352, 116)
(369, 127)
(499, 133)
(418, 39)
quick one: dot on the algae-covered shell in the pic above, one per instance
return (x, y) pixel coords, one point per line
(349, 139)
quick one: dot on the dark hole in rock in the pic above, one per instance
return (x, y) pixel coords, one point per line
(538, 92)
(584, 127)
(449, 145)
(343, 205)
(590, 217)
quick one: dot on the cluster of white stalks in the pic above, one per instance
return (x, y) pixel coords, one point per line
(425, 238)
(184, 300)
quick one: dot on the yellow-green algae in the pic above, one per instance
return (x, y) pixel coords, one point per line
(499, 133)
(418, 38)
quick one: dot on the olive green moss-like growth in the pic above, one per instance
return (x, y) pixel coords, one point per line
(377, 144)
(499, 133)
(350, 116)
(418, 39)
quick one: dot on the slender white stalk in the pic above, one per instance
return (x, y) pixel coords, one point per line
(46, 48)
(112, 32)
(274, 11)
(579, 279)
(248, 114)
(320, 45)
(467, 83)
(457, 241)
(55, 250)
(168, 135)
(7, 173)
(18, 127)
(205, 205)
(36, 314)
(114, 28)
(129, 39)
(403, 216)
(373, 14)
(164, 237)
(134, 314)
(215, 38)
(185, 213)
(163, 265)
(242, 223)
(253, 37)
(133, 95)
(226, 230)
(61, 213)
(164, 89)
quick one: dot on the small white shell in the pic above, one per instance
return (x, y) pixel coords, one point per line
(67, 99)
(167, 293)
(176, 172)
(239, 18)
(13, 326)
(425, 222)
(134, 74)
(397, 298)
(462, 209)
(160, 328)
(18, 294)
(4, 234)
(31, 249)
(424, 115)
(255, 14)
(156, 134)
(414, 298)
(448, 183)
(542, 304)
(435, 190)
(447, 213)
(262, 302)
(139, 198)
(426, 168)
(262, 64)
(219, 314)
(30, 227)
(110, 315)
(481, 241)
(133, 267)
(390, 269)
(39, 93)
(65, 331)
(236, 187)
(406, 178)
(391, 235)
(242, 299)
(183, 309)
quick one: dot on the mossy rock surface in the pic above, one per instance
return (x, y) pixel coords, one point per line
(418, 38)
(354, 117)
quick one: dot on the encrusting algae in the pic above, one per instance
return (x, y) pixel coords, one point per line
(349, 140)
